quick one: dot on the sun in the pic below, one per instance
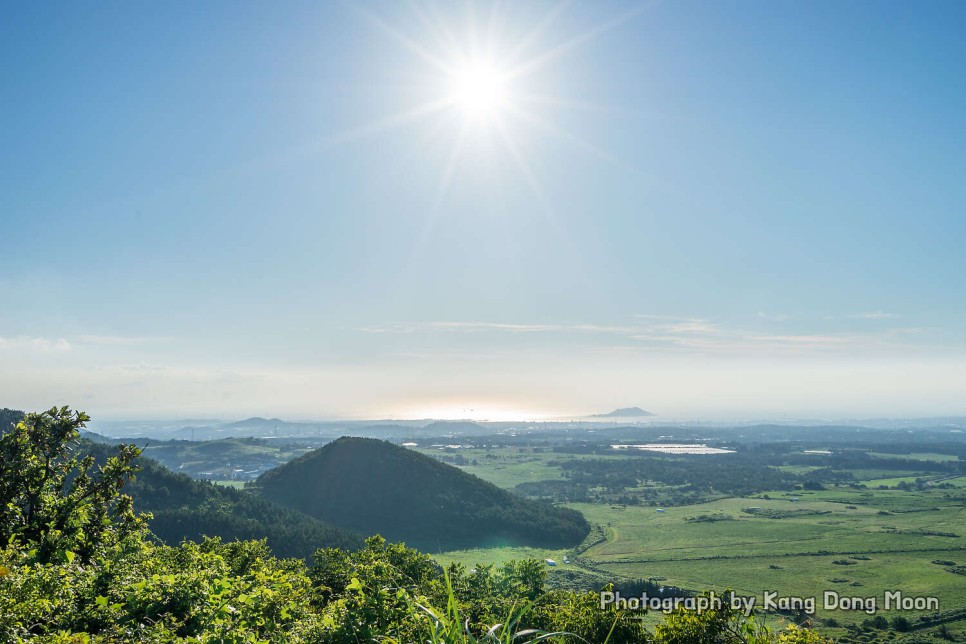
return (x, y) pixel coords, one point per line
(484, 84)
(479, 90)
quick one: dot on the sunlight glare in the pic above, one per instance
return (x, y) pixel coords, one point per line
(471, 413)
(479, 77)
(479, 90)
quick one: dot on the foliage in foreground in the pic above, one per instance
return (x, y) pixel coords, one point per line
(78, 565)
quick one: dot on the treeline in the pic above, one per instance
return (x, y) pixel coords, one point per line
(671, 480)
(695, 476)
(854, 459)
(371, 486)
(679, 480)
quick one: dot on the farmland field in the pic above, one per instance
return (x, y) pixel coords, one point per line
(794, 555)
(891, 529)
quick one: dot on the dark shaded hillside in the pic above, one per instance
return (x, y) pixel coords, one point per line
(184, 508)
(9, 417)
(371, 486)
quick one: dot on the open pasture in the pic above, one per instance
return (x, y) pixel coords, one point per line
(853, 542)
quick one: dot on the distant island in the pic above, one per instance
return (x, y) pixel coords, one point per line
(625, 412)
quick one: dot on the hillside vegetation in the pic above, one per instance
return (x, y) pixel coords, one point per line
(77, 566)
(185, 509)
(371, 486)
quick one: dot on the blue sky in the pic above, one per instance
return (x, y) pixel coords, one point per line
(733, 209)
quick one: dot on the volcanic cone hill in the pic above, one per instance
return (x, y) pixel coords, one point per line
(371, 486)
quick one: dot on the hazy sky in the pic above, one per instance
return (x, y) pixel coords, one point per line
(480, 210)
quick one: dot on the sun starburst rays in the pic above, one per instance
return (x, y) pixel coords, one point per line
(474, 73)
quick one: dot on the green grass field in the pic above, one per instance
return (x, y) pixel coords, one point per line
(507, 467)
(855, 542)
(917, 456)
(238, 485)
(752, 554)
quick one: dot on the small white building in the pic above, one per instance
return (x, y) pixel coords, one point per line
(551, 562)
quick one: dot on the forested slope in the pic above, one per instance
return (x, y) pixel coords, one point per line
(184, 508)
(371, 486)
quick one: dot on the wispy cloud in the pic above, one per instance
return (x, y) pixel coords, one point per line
(775, 317)
(874, 315)
(478, 327)
(34, 342)
(52, 344)
(665, 333)
(116, 340)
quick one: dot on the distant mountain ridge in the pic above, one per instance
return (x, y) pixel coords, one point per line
(257, 421)
(371, 486)
(454, 426)
(625, 412)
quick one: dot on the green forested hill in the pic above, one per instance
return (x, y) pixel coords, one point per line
(371, 486)
(184, 508)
